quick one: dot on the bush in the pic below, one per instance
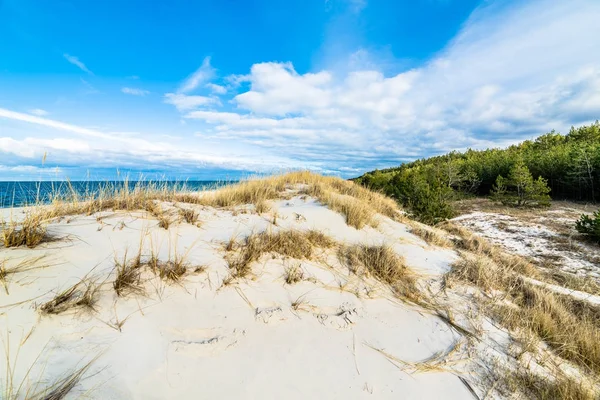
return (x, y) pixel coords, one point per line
(424, 194)
(590, 226)
(520, 189)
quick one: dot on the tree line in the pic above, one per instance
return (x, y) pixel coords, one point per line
(565, 166)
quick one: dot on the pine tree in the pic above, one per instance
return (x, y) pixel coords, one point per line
(520, 189)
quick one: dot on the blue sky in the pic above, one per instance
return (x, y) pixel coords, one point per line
(215, 89)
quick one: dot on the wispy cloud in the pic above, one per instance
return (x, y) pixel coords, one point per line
(39, 112)
(90, 89)
(114, 150)
(185, 103)
(134, 91)
(216, 89)
(75, 61)
(202, 75)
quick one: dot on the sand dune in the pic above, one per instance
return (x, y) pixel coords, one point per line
(203, 332)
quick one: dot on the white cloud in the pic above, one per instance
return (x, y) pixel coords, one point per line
(511, 74)
(39, 112)
(217, 89)
(184, 103)
(203, 74)
(135, 91)
(92, 148)
(75, 61)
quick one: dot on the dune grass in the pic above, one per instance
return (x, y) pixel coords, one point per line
(189, 215)
(127, 275)
(568, 326)
(384, 264)
(293, 274)
(84, 294)
(434, 236)
(30, 232)
(291, 243)
(358, 204)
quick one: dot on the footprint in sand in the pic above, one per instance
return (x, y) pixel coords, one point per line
(269, 315)
(342, 319)
(202, 342)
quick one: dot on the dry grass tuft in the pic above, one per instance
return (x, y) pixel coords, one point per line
(293, 274)
(189, 215)
(441, 361)
(30, 232)
(384, 264)
(172, 270)
(432, 236)
(358, 213)
(83, 294)
(295, 244)
(127, 278)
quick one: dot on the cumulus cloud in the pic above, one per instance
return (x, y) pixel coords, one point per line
(75, 61)
(134, 91)
(512, 73)
(202, 75)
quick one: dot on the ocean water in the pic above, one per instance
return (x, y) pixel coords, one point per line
(17, 194)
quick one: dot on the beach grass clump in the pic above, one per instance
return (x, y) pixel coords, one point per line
(172, 270)
(84, 294)
(30, 232)
(290, 243)
(293, 274)
(431, 235)
(127, 278)
(189, 215)
(384, 264)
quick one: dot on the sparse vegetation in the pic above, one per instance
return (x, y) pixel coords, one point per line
(294, 244)
(384, 264)
(83, 294)
(431, 235)
(537, 386)
(30, 232)
(127, 277)
(293, 274)
(172, 270)
(570, 327)
(189, 215)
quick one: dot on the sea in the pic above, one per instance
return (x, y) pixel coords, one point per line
(18, 194)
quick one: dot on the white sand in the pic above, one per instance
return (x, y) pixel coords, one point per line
(200, 340)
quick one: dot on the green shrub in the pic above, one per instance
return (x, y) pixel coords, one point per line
(590, 226)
